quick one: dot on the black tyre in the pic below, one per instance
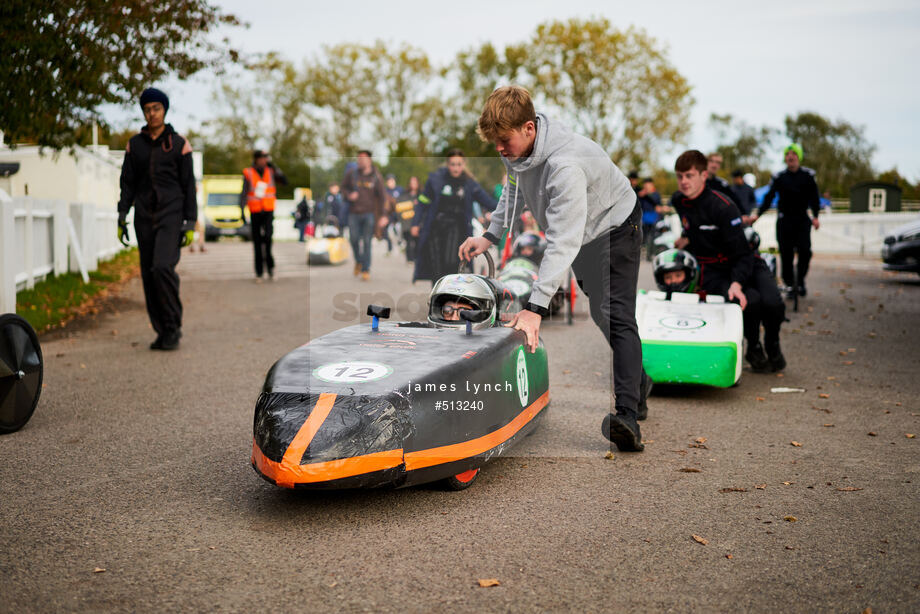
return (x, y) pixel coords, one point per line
(461, 481)
(21, 371)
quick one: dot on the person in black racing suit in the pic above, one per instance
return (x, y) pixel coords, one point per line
(713, 233)
(798, 192)
(158, 181)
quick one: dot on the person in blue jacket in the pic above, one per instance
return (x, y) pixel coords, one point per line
(443, 218)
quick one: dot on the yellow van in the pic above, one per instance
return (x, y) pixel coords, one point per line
(222, 214)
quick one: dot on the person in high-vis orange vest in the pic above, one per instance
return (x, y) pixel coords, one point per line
(259, 195)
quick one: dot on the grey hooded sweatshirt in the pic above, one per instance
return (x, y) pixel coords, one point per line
(575, 193)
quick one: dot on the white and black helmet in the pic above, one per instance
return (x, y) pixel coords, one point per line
(471, 289)
(752, 237)
(676, 260)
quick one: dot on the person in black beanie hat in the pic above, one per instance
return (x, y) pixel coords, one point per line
(158, 180)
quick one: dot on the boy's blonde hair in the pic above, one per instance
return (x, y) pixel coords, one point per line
(508, 108)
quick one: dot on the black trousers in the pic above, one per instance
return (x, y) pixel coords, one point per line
(262, 226)
(765, 304)
(158, 244)
(607, 270)
(794, 236)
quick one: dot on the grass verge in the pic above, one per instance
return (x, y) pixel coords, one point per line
(57, 300)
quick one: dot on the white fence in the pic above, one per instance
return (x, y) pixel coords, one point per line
(40, 237)
(842, 233)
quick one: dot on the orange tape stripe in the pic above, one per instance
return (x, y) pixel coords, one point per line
(294, 453)
(289, 471)
(286, 475)
(466, 449)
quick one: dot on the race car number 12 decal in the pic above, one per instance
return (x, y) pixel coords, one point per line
(352, 372)
(522, 386)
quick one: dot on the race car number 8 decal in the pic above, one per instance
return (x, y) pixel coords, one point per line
(682, 322)
(352, 372)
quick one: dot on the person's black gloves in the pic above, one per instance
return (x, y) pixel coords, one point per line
(187, 235)
(123, 230)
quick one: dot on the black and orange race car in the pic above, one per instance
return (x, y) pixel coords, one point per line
(405, 403)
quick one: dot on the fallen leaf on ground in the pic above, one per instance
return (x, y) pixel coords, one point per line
(849, 489)
(728, 556)
(831, 378)
(824, 395)
(872, 434)
(609, 455)
(788, 483)
(566, 371)
(700, 440)
(849, 363)
(789, 548)
(780, 375)
(689, 470)
(796, 444)
(700, 540)
(790, 518)
(99, 570)
(489, 582)
(701, 446)
(733, 489)
(761, 486)
(824, 409)
(760, 399)
(909, 435)
(843, 352)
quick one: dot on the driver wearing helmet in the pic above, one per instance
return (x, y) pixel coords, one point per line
(452, 293)
(529, 245)
(676, 271)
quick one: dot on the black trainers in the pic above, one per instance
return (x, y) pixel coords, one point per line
(623, 431)
(775, 355)
(757, 358)
(170, 340)
(644, 391)
(157, 343)
(802, 290)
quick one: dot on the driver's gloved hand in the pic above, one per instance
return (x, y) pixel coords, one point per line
(188, 233)
(123, 230)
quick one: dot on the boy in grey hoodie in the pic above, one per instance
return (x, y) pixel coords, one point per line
(588, 210)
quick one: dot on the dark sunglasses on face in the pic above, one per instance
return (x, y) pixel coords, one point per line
(447, 311)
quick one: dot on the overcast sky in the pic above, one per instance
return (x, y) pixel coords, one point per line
(845, 59)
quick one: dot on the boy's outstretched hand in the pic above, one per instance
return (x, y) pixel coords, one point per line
(472, 247)
(529, 322)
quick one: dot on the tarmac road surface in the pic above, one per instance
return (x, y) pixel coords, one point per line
(137, 463)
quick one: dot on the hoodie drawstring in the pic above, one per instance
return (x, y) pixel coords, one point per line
(514, 205)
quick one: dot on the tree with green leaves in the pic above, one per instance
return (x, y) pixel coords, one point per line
(742, 145)
(616, 87)
(373, 96)
(838, 151)
(61, 61)
(265, 107)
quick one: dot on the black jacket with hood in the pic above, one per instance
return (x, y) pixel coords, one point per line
(158, 179)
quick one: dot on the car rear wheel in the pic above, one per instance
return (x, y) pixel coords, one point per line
(461, 481)
(21, 372)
